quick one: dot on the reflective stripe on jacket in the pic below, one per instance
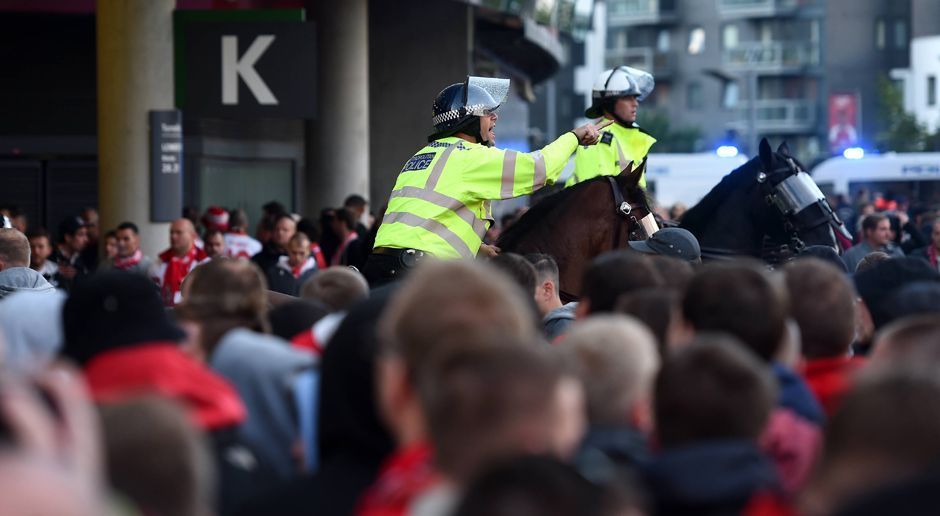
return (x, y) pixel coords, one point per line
(441, 201)
(617, 147)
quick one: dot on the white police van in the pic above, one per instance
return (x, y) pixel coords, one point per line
(686, 178)
(912, 175)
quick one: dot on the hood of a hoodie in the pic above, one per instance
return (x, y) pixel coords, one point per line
(263, 369)
(162, 368)
(707, 478)
(32, 323)
(20, 279)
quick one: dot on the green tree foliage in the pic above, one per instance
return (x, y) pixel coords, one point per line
(656, 123)
(900, 130)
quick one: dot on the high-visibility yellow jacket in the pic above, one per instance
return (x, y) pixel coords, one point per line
(617, 147)
(441, 201)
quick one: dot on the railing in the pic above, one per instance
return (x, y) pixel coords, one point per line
(638, 12)
(771, 56)
(660, 64)
(762, 8)
(779, 115)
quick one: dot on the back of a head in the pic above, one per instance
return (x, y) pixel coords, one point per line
(238, 219)
(615, 273)
(289, 319)
(465, 298)
(355, 201)
(911, 340)
(531, 486)
(870, 260)
(876, 285)
(675, 273)
(110, 310)
(546, 268)
(823, 307)
(181, 481)
(886, 427)
(338, 288)
(223, 294)
(14, 249)
(714, 389)
(617, 362)
(487, 401)
(740, 299)
(519, 269)
(918, 298)
(657, 308)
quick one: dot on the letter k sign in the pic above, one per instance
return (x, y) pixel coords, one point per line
(233, 68)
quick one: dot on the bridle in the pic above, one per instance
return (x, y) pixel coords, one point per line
(625, 213)
(791, 197)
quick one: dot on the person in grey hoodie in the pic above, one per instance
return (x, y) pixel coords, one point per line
(15, 274)
(225, 302)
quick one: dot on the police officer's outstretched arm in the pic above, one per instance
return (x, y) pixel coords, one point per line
(503, 174)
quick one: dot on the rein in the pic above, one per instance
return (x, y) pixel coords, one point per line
(624, 211)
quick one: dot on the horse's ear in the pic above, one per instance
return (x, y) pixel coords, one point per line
(766, 154)
(784, 150)
(631, 176)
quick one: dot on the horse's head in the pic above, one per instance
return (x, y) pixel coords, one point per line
(795, 213)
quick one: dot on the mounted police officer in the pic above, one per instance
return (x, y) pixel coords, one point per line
(616, 96)
(440, 205)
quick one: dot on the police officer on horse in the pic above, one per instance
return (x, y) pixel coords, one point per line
(441, 203)
(616, 96)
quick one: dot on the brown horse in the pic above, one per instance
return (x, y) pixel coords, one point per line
(581, 222)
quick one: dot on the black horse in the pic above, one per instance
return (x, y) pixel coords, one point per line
(768, 208)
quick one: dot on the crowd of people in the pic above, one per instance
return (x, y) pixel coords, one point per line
(259, 375)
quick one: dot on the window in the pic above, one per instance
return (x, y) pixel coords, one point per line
(931, 90)
(696, 41)
(880, 34)
(729, 98)
(662, 41)
(693, 99)
(729, 36)
(900, 34)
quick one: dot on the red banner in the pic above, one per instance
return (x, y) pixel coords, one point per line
(843, 121)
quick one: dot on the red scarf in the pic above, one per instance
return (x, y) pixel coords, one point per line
(407, 474)
(177, 267)
(317, 254)
(932, 254)
(338, 255)
(126, 263)
(162, 368)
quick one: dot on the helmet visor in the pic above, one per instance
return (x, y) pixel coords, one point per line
(485, 94)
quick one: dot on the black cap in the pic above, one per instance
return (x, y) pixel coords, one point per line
(674, 242)
(111, 310)
(70, 225)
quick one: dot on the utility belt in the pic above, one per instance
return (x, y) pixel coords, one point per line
(409, 258)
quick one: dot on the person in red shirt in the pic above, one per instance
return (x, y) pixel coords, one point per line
(824, 308)
(179, 260)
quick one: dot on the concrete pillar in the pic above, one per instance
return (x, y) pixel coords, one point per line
(338, 140)
(135, 75)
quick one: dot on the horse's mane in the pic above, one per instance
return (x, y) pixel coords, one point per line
(536, 214)
(701, 214)
(510, 238)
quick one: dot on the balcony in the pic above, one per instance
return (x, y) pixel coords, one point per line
(762, 8)
(779, 56)
(640, 12)
(661, 64)
(778, 116)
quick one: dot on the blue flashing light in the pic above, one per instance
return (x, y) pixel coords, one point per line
(854, 153)
(727, 151)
